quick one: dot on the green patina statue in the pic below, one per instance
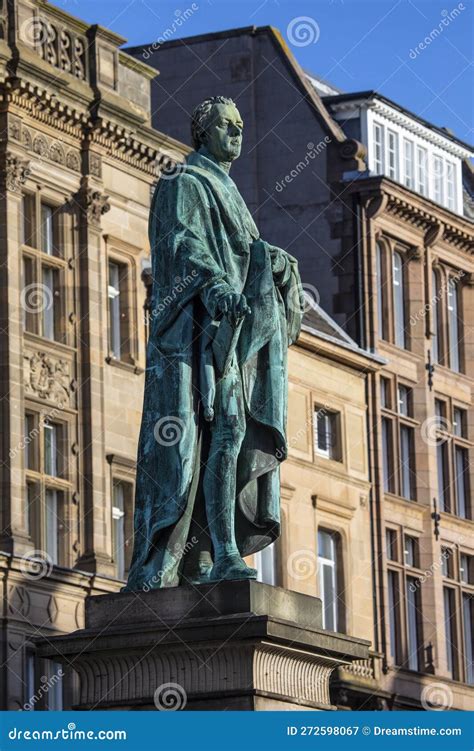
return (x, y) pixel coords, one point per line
(225, 307)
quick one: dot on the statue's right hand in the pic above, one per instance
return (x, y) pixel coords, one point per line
(233, 305)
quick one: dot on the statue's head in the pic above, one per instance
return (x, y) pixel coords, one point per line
(217, 125)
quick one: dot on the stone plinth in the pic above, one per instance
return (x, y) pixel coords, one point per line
(231, 645)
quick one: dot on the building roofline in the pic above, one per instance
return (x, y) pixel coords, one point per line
(296, 71)
(372, 94)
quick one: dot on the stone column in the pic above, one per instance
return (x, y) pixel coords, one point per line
(234, 645)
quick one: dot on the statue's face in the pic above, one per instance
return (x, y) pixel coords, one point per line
(224, 133)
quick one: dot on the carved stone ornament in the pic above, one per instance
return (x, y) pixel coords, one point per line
(96, 204)
(47, 377)
(17, 172)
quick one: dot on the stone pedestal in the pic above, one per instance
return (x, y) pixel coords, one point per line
(233, 645)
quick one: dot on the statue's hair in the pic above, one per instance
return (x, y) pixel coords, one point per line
(201, 116)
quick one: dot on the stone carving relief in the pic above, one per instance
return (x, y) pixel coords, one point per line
(49, 148)
(48, 378)
(16, 172)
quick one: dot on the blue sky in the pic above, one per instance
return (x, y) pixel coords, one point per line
(354, 44)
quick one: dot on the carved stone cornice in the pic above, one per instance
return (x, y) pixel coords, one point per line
(433, 234)
(434, 226)
(17, 171)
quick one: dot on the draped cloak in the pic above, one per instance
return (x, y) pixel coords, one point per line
(204, 241)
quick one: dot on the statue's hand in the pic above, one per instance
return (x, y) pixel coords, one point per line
(234, 305)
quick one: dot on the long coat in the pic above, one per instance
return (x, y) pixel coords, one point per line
(203, 238)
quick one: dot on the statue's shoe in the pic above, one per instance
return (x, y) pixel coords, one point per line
(232, 567)
(203, 576)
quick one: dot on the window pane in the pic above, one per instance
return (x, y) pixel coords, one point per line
(406, 462)
(118, 517)
(47, 234)
(380, 292)
(447, 562)
(468, 616)
(450, 629)
(327, 434)
(413, 611)
(266, 565)
(450, 186)
(28, 223)
(462, 480)
(51, 448)
(394, 615)
(30, 682)
(392, 154)
(411, 551)
(408, 166)
(327, 573)
(453, 325)
(435, 331)
(49, 303)
(387, 450)
(55, 686)
(404, 396)
(385, 393)
(422, 171)
(443, 481)
(51, 524)
(29, 440)
(378, 149)
(114, 310)
(467, 568)
(459, 422)
(391, 543)
(438, 178)
(398, 300)
(29, 296)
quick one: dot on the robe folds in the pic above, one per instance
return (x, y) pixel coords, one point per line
(203, 242)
